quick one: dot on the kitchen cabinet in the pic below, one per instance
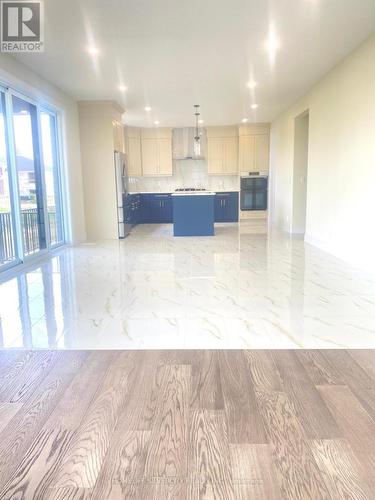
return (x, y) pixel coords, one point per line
(262, 152)
(222, 150)
(133, 151)
(156, 208)
(226, 207)
(156, 151)
(118, 136)
(132, 209)
(254, 153)
(254, 146)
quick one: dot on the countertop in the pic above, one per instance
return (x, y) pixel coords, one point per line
(185, 192)
(194, 193)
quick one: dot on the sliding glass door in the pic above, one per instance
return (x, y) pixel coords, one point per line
(29, 173)
(52, 176)
(31, 208)
(8, 249)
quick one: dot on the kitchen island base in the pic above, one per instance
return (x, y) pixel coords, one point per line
(193, 214)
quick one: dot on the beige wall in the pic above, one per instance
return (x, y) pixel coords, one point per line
(97, 151)
(341, 163)
(23, 79)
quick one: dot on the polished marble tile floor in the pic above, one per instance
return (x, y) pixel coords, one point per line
(241, 289)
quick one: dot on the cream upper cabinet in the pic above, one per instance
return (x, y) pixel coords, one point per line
(156, 146)
(118, 136)
(222, 150)
(150, 157)
(215, 155)
(133, 152)
(262, 152)
(254, 147)
(246, 153)
(165, 156)
(230, 155)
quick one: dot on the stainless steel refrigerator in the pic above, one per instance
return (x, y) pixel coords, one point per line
(121, 176)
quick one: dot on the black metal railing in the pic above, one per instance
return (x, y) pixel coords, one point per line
(30, 226)
(7, 251)
(32, 233)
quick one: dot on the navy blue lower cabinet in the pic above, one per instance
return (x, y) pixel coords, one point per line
(226, 207)
(193, 215)
(156, 208)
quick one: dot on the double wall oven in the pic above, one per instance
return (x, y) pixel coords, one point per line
(254, 191)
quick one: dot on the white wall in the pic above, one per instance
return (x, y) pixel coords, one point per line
(341, 163)
(97, 150)
(24, 80)
(301, 144)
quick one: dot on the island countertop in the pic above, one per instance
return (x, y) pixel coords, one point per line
(194, 193)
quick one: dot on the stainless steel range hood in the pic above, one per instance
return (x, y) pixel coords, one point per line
(183, 144)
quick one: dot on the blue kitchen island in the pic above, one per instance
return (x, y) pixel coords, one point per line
(193, 214)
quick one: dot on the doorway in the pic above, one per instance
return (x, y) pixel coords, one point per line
(301, 149)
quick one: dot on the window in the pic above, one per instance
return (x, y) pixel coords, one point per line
(31, 209)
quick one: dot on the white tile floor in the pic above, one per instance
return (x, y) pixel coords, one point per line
(240, 289)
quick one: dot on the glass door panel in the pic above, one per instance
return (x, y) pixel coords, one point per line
(247, 200)
(25, 126)
(52, 177)
(260, 200)
(8, 253)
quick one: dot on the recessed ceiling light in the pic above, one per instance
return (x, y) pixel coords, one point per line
(244, 120)
(94, 51)
(122, 88)
(147, 108)
(254, 106)
(251, 84)
(156, 122)
(272, 44)
(200, 121)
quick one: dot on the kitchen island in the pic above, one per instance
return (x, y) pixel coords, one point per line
(193, 213)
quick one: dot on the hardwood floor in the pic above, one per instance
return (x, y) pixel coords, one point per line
(177, 425)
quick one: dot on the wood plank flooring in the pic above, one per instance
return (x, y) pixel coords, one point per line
(260, 425)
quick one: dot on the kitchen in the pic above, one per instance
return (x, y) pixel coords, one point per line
(192, 177)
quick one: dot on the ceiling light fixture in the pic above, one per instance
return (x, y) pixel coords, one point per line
(244, 120)
(254, 106)
(94, 51)
(147, 108)
(272, 44)
(156, 122)
(200, 121)
(252, 84)
(122, 88)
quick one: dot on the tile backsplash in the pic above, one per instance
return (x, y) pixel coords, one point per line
(186, 173)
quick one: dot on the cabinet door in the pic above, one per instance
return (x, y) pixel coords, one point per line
(231, 207)
(230, 155)
(150, 157)
(215, 155)
(165, 157)
(246, 153)
(219, 208)
(168, 209)
(262, 148)
(134, 157)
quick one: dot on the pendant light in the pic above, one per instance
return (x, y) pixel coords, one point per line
(197, 136)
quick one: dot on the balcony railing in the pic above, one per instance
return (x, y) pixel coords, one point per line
(7, 251)
(32, 233)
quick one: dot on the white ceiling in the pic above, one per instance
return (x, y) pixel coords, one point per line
(172, 54)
